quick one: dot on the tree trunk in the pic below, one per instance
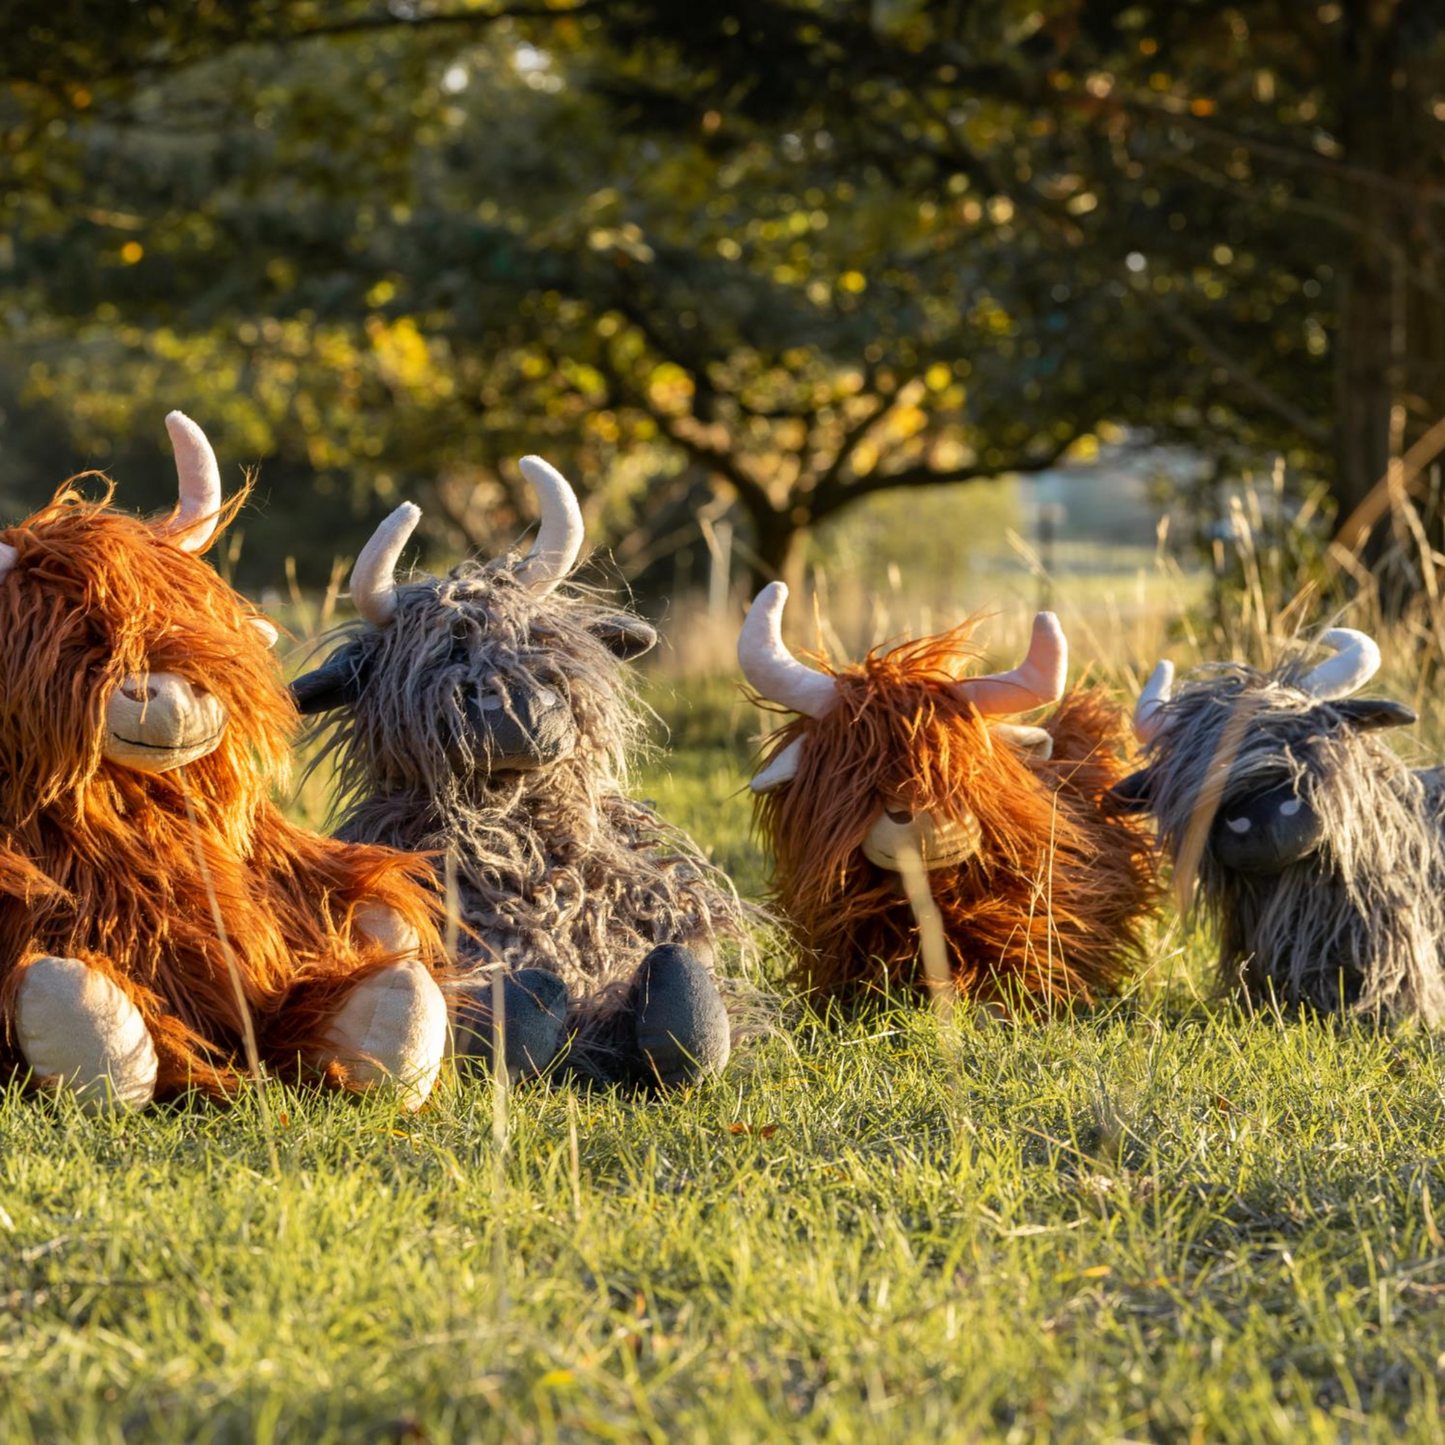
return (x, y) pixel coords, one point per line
(781, 547)
(1390, 350)
(1368, 350)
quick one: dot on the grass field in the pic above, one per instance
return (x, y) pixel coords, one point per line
(1160, 1220)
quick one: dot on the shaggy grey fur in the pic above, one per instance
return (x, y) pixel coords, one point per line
(1358, 925)
(555, 867)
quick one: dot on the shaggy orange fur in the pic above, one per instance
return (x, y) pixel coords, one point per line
(1050, 907)
(102, 863)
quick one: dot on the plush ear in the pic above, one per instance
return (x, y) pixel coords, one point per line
(1370, 714)
(627, 636)
(782, 769)
(1035, 744)
(338, 682)
(1132, 794)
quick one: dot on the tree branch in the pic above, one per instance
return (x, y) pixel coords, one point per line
(925, 476)
(1261, 391)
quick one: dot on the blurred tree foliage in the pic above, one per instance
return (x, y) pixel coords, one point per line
(792, 251)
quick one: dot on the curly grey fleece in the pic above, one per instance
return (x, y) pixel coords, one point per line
(557, 867)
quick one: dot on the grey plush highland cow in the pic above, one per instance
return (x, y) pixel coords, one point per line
(487, 717)
(1320, 853)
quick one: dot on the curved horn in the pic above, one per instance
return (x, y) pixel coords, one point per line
(770, 667)
(200, 484)
(1356, 661)
(8, 558)
(1038, 680)
(1155, 694)
(559, 535)
(373, 578)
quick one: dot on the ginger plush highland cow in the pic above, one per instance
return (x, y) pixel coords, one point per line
(1041, 893)
(487, 717)
(146, 877)
(1318, 853)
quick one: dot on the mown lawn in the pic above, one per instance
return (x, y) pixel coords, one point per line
(1161, 1220)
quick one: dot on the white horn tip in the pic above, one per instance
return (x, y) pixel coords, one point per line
(1356, 661)
(1339, 638)
(533, 466)
(8, 558)
(1053, 649)
(373, 577)
(560, 528)
(183, 431)
(1154, 694)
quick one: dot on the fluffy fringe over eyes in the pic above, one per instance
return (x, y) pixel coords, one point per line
(101, 863)
(1049, 910)
(1361, 923)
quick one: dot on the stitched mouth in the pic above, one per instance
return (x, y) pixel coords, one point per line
(169, 747)
(932, 858)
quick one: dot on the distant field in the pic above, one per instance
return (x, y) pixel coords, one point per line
(1157, 1220)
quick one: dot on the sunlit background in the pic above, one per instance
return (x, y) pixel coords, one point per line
(931, 307)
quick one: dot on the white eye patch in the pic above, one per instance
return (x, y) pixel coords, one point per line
(1238, 825)
(1290, 808)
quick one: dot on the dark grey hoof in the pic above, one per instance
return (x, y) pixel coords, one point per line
(683, 1034)
(535, 1007)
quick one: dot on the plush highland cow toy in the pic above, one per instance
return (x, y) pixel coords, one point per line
(1318, 853)
(145, 876)
(486, 717)
(1041, 894)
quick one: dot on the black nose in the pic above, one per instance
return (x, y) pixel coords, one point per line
(1266, 832)
(522, 728)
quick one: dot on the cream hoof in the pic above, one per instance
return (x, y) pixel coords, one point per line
(79, 1032)
(393, 1027)
(384, 926)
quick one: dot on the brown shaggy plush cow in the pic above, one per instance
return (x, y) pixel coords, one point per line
(145, 874)
(1041, 891)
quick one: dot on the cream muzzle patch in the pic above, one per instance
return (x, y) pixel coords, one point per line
(939, 843)
(158, 722)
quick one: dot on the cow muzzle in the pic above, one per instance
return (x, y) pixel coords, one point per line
(940, 843)
(1266, 833)
(521, 731)
(156, 721)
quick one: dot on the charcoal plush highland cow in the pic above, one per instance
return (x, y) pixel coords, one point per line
(487, 717)
(1318, 852)
(1040, 893)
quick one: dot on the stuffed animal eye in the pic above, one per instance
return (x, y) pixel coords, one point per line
(1290, 808)
(1238, 825)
